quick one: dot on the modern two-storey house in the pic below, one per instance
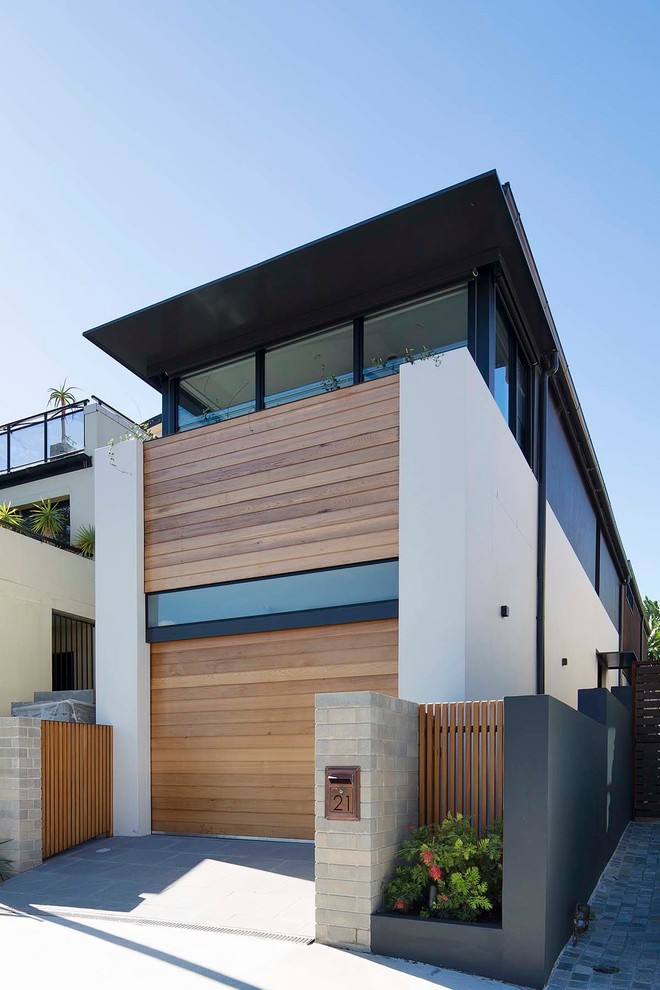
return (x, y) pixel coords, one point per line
(374, 474)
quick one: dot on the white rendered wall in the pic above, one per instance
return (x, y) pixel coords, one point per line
(122, 653)
(77, 486)
(576, 621)
(467, 540)
(432, 530)
(101, 426)
(502, 503)
(35, 580)
(467, 529)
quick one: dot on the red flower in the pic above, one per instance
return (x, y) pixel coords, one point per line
(444, 898)
(436, 873)
(400, 904)
(427, 857)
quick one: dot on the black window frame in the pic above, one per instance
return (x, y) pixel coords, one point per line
(171, 385)
(302, 619)
(517, 354)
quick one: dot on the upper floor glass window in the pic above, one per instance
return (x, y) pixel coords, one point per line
(320, 362)
(512, 382)
(502, 366)
(218, 393)
(428, 326)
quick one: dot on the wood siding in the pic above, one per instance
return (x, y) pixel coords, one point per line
(633, 633)
(76, 762)
(307, 485)
(232, 721)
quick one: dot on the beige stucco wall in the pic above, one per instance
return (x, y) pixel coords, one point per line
(35, 580)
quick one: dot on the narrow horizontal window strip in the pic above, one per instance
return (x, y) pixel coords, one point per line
(364, 612)
(326, 588)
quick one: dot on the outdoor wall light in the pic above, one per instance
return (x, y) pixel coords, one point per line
(504, 611)
(564, 661)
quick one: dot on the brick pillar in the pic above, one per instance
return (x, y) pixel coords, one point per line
(20, 792)
(378, 734)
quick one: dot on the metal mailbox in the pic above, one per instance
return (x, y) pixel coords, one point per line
(342, 793)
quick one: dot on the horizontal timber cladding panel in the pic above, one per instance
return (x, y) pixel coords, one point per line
(304, 486)
(232, 723)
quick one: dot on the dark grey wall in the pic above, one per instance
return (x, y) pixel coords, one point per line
(567, 799)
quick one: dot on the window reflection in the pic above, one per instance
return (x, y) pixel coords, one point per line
(273, 596)
(502, 366)
(217, 394)
(408, 333)
(321, 362)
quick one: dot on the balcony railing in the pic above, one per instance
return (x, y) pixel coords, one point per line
(48, 436)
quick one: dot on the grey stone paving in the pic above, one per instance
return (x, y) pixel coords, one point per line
(626, 931)
(235, 883)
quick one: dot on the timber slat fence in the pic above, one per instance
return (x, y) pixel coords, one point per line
(76, 763)
(461, 761)
(646, 693)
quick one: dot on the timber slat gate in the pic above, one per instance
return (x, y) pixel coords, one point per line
(76, 798)
(646, 686)
(461, 761)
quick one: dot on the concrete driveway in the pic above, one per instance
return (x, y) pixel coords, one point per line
(266, 887)
(181, 913)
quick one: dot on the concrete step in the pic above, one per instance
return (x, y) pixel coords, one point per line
(44, 696)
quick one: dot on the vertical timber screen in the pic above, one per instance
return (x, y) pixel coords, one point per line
(76, 788)
(461, 761)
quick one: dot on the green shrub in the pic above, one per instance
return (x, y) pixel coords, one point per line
(449, 872)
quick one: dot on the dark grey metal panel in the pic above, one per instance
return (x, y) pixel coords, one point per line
(471, 948)
(526, 821)
(567, 495)
(567, 799)
(609, 584)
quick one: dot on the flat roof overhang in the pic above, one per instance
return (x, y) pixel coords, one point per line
(409, 250)
(413, 248)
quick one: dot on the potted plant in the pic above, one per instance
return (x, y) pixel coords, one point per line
(61, 397)
(10, 518)
(47, 519)
(85, 540)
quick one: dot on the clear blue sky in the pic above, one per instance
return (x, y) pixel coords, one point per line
(147, 147)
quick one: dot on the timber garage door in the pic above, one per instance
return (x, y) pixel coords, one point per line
(232, 723)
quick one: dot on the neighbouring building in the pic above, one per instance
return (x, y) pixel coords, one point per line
(374, 474)
(46, 586)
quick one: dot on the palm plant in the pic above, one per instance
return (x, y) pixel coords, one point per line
(10, 518)
(652, 609)
(60, 397)
(47, 519)
(85, 540)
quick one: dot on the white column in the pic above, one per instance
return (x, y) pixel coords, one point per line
(467, 532)
(432, 541)
(122, 653)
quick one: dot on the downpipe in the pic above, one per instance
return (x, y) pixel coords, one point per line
(550, 367)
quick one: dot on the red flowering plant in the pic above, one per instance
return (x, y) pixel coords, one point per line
(448, 872)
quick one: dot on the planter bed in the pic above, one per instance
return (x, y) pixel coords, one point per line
(472, 947)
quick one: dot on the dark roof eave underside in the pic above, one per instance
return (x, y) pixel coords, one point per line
(410, 249)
